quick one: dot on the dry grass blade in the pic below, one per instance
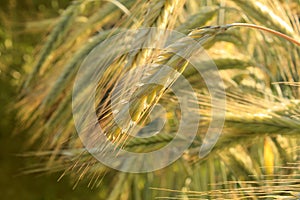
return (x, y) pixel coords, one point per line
(297, 84)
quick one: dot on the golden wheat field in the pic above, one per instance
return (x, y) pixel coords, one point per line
(150, 99)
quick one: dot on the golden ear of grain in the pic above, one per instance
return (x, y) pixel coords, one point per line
(199, 19)
(269, 157)
(144, 100)
(264, 15)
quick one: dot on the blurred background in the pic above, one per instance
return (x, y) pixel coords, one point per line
(24, 25)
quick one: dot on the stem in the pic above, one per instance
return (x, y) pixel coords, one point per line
(267, 30)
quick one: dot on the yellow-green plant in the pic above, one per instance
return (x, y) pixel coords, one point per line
(256, 155)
